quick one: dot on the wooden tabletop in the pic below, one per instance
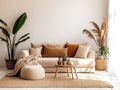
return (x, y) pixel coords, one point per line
(63, 65)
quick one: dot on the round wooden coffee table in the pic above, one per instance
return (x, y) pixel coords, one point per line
(71, 67)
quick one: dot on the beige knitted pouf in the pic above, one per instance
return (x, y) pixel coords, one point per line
(32, 72)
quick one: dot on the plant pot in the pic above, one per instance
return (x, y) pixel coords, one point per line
(100, 64)
(64, 62)
(100, 57)
(10, 64)
(59, 62)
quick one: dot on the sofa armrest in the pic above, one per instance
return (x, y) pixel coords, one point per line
(91, 54)
(23, 53)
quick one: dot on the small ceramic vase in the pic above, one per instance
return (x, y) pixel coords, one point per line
(59, 61)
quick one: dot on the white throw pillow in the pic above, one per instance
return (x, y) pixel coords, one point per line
(82, 51)
(24, 53)
(36, 45)
(36, 51)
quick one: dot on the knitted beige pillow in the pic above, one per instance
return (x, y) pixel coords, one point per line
(36, 45)
(23, 53)
(35, 51)
(82, 51)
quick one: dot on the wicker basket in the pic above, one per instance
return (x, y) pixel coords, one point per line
(100, 64)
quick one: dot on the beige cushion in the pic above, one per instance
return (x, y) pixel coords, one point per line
(36, 45)
(53, 45)
(32, 72)
(82, 51)
(54, 52)
(91, 54)
(35, 51)
(23, 53)
(52, 61)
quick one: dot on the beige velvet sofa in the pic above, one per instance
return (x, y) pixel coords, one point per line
(85, 64)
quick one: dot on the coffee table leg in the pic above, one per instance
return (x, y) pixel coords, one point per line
(56, 72)
(72, 72)
(75, 73)
(68, 71)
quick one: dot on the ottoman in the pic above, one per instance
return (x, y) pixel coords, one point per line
(32, 72)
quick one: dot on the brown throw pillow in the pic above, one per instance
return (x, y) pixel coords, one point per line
(54, 52)
(72, 48)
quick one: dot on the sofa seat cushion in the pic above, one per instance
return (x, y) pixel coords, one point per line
(51, 62)
(84, 63)
(48, 62)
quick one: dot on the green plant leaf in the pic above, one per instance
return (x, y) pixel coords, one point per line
(23, 36)
(22, 41)
(5, 32)
(3, 22)
(3, 39)
(64, 58)
(104, 51)
(11, 39)
(19, 23)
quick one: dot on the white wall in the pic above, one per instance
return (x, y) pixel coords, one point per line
(53, 20)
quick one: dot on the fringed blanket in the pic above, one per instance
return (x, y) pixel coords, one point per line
(30, 60)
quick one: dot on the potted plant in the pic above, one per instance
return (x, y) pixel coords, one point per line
(99, 35)
(102, 56)
(59, 61)
(11, 38)
(102, 52)
(64, 60)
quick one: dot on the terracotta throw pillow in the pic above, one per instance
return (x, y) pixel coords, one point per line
(82, 51)
(35, 51)
(72, 48)
(54, 52)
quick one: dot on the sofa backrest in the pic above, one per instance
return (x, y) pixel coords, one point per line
(67, 49)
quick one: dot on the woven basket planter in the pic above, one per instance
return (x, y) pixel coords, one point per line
(100, 64)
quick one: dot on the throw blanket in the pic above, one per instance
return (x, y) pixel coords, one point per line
(30, 60)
